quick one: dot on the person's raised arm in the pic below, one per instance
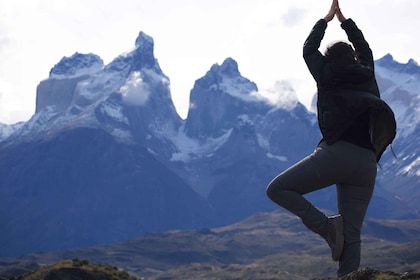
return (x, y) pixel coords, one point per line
(313, 57)
(356, 37)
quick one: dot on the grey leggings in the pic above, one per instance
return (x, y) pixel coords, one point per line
(353, 170)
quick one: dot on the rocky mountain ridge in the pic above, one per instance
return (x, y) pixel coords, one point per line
(106, 157)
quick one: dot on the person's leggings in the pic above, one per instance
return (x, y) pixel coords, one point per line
(353, 170)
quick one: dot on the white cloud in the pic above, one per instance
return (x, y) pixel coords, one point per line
(293, 16)
(135, 92)
(281, 95)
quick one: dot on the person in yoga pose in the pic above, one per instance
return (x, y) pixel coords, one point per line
(348, 97)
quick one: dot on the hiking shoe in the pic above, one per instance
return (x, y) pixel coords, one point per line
(335, 237)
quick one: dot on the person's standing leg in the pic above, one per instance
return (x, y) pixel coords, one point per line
(353, 199)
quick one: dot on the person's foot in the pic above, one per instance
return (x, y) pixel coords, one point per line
(335, 237)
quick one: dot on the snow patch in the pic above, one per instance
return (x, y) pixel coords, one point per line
(412, 169)
(115, 112)
(402, 96)
(192, 106)
(98, 87)
(95, 68)
(39, 119)
(7, 130)
(155, 78)
(402, 81)
(121, 135)
(280, 158)
(263, 142)
(239, 88)
(407, 119)
(189, 148)
(83, 90)
(265, 145)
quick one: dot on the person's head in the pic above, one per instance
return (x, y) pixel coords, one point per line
(339, 51)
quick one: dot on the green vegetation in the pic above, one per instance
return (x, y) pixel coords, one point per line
(76, 269)
(372, 274)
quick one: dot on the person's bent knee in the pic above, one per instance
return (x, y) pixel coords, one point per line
(270, 191)
(273, 190)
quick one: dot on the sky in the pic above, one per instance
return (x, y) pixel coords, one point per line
(265, 38)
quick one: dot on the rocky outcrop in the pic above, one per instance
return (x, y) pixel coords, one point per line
(370, 274)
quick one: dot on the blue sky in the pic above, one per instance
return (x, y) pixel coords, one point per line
(265, 37)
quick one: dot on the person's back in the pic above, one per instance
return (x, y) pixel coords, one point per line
(338, 73)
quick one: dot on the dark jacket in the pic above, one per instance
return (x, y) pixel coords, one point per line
(346, 88)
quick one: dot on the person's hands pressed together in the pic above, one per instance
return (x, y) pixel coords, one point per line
(335, 11)
(332, 11)
(339, 14)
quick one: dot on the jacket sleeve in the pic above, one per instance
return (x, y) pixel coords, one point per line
(312, 56)
(361, 46)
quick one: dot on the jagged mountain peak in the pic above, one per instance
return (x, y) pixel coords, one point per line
(129, 97)
(137, 59)
(388, 62)
(219, 99)
(143, 56)
(144, 41)
(226, 79)
(398, 84)
(77, 65)
(229, 68)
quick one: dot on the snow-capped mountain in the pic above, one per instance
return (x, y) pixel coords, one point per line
(129, 98)
(106, 157)
(7, 130)
(399, 85)
(239, 141)
(87, 167)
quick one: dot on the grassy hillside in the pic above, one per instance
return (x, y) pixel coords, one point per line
(76, 269)
(265, 246)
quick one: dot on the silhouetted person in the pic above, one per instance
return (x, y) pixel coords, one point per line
(347, 96)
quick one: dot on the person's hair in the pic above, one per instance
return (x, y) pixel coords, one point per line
(339, 50)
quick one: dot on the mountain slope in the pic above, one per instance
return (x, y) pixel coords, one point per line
(84, 188)
(89, 166)
(106, 157)
(249, 138)
(399, 85)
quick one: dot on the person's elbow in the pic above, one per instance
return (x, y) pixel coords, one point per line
(307, 54)
(308, 50)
